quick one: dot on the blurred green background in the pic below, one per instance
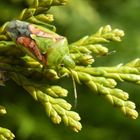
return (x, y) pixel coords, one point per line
(27, 119)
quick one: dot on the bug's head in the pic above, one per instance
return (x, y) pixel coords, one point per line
(68, 62)
(17, 28)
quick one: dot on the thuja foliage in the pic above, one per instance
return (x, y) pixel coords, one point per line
(38, 77)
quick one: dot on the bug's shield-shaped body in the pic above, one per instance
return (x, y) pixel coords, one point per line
(40, 43)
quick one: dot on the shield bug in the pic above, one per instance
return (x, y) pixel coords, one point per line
(41, 43)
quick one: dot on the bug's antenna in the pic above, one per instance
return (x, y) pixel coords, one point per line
(75, 90)
(110, 53)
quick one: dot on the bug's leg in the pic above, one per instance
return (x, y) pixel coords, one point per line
(73, 82)
(58, 69)
(74, 89)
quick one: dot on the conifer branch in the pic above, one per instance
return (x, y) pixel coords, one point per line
(106, 87)
(36, 13)
(25, 71)
(57, 109)
(6, 134)
(2, 110)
